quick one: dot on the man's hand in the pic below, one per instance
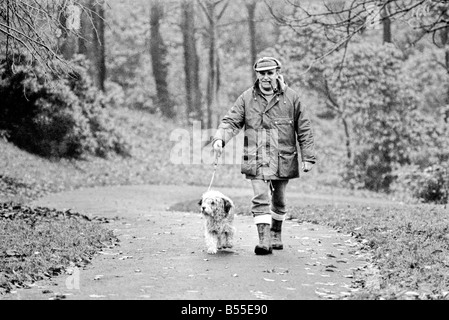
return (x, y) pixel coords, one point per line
(218, 148)
(307, 166)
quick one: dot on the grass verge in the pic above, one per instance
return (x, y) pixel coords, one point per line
(410, 246)
(39, 243)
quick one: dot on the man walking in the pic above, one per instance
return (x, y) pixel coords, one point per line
(274, 121)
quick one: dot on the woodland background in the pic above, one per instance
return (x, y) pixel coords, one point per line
(374, 75)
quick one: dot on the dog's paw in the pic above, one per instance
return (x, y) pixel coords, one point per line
(212, 250)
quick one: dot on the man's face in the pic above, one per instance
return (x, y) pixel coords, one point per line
(267, 78)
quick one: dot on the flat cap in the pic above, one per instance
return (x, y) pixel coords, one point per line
(267, 63)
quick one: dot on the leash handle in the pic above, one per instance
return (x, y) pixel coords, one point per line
(216, 160)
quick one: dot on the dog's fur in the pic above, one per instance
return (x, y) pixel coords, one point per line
(219, 215)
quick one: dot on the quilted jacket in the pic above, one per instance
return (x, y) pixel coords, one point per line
(272, 130)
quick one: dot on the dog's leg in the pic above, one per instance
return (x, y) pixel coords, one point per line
(222, 240)
(229, 237)
(211, 242)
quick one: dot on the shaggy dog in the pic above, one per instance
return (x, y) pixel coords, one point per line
(219, 214)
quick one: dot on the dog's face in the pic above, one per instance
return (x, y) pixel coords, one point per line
(215, 204)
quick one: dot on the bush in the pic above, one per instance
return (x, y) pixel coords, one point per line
(55, 117)
(429, 185)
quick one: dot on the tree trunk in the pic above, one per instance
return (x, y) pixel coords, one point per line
(85, 34)
(212, 77)
(159, 63)
(213, 82)
(334, 106)
(99, 44)
(386, 22)
(251, 8)
(67, 44)
(444, 36)
(91, 41)
(347, 137)
(191, 62)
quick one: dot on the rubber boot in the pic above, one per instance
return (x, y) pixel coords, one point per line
(264, 246)
(275, 232)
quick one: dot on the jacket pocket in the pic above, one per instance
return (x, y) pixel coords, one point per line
(249, 165)
(285, 128)
(288, 165)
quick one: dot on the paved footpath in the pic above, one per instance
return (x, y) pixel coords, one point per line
(161, 255)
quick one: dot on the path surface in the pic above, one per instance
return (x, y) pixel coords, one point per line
(162, 255)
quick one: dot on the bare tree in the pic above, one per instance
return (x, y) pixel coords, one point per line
(386, 24)
(251, 6)
(191, 61)
(348, 18)
(36, 28)
(90, 41)
(69, 40)
(159, 62)
(99, 43)
(213, 14)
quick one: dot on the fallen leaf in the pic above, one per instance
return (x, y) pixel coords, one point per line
(412, 293)
(336, 244)
(97, 296)
(345, 293)
(325, 283)
(108, 253)
(11, 253)
(270, 271)
(321, 293)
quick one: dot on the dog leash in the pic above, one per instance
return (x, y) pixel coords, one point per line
(213, 175)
